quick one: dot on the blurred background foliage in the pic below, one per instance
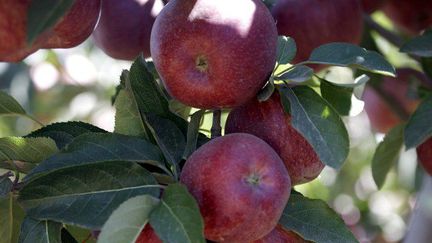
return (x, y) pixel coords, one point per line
(78, 83)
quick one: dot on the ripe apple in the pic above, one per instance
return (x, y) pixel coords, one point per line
(424, 153)
(241, 187)
(411, 16)
(280, 235)
(124, 27)
(214, 54)
(381, 115)
(148, 235)
(316, 22)
(76, 26)
(370, 6)
(268, 121)
(72, 29)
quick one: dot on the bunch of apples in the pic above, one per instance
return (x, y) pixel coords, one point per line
(218, 54)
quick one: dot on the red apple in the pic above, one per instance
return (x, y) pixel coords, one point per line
(241, 187)
(280, 235)
(412, 16)
(424, 153)
(76, 26)
(72, 29)
(268, 121)
(316, 22)
(214, 54)
(124, 27)
(370, 6)
(381, 115)
(148, 235)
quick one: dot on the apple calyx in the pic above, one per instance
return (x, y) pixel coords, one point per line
(201, 63)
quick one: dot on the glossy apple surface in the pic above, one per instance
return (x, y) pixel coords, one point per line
(268, 121)
(316, 22)
(148, 235)
(370, 6)
(241, 187)
(424, 153)
(280, 235)
(124, 27)
(412, 16)
(214, 54)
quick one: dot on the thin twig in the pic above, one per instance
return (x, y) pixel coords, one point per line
(216, 130)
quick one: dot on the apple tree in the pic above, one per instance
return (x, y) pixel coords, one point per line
(226, 112)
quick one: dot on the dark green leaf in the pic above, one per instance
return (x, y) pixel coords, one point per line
(286, 50)
(349, 55)
(267, 91)
(67, 237)
(64, 132)
(5, 186)
(35, 231)
(386, 154)
(11, 216)
(177, 218)
(21, 154)
(168, 137)
(314, 220)
(420, 45)
(419, 126)
(128, 220)
(9, 106)
(44, 14)
(339, 97)
(319, 123)
(148, 95)
(193, 131)
(99, 148)
(127, 118)
(86, 196)
(298, 74)
(426, 63)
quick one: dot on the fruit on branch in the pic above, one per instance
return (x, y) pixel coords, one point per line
(268, 121)
(71, 30)
(124, 27)
(424, 153)
(148, 235)
(316, 22)
(241, 187)
(280, 235)
(388, 104)
(369, 6)
(411, 16)
(76, 26)
(214, 54)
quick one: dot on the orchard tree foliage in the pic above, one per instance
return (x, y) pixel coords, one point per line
(70, 179)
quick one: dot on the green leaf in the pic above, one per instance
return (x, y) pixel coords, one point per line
(386, 154)
(286, 50)
(128, 220)
(64, 132)
(338, 96)
(79, 234)
(67, 237)
(127, 118)
(99, 148)
(266, 92)
(44, 14)
(420, 46)
(349, 55)
(86, 196)
(5, 186)
(169, 138)
(11, 216)
(314, 220)
(193, 131)
(20, 154)
(177, 218)
(319, 123)
(419, 128)
(9, 106)
(35, 231)
(298, 74)
(148, 95)
(426, 63)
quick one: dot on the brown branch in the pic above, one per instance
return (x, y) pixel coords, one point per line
(216, 129)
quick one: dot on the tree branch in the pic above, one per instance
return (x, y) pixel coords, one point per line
(216, 130)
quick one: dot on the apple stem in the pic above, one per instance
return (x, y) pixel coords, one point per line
(216, 129)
